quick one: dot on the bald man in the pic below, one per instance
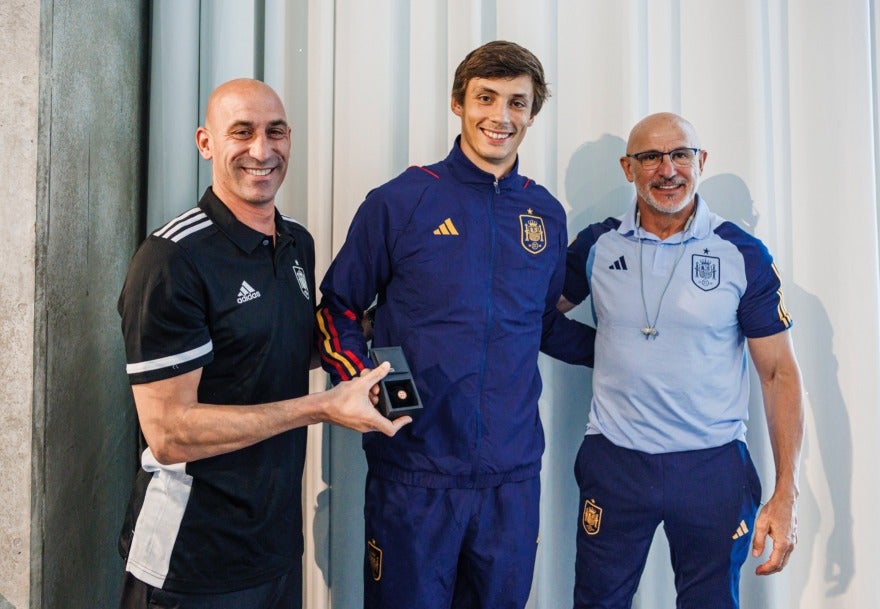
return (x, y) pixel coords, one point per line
(677, 294)
(218, 319)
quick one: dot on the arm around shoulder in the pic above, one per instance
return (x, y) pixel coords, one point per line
(566, 339)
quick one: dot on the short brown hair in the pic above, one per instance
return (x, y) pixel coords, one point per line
(501, 59)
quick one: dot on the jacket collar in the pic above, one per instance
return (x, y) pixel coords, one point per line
(465, 171)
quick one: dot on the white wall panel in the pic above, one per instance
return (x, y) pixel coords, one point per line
(172, 170)
(465, 22)
(367, 101)
(598, 95)
(227, 43)
(285, 67)
(834, 269)
(664, 46)
(317, 155)
(430, 81)
(370, 112)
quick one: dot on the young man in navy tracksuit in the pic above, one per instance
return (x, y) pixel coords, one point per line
(466, 259)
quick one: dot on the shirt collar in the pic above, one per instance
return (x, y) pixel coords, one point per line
(246, 238)
(699, 228)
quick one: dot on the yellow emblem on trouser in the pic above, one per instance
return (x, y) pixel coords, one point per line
(592, 518)
(374, 552)
(533, 237)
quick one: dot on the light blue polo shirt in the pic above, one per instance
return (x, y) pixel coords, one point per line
(686, 388)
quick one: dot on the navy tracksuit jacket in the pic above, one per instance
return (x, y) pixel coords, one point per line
(467, 270)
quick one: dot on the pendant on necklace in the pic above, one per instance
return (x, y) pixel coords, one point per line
(650, 332)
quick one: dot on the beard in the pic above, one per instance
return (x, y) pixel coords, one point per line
(666, 205)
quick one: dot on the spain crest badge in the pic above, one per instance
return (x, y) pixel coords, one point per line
(374, 552)
(592, 517)
(301, 279)
(533, 236)
(706, 272)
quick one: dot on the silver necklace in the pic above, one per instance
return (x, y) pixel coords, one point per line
(650, 329)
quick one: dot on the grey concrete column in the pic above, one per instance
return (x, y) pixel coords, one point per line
(19, 103)
(73, 77)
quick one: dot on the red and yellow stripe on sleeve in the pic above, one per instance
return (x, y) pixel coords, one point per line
(347, 364)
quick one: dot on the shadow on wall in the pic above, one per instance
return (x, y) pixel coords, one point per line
(595, 187)
(813, 335)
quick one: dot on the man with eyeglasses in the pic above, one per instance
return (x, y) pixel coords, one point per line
(677, 293)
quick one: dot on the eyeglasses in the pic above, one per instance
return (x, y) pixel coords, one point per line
(651, 159)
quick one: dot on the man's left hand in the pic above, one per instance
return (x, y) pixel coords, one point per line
(777, 520)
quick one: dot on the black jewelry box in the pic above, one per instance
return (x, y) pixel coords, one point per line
(397, 391)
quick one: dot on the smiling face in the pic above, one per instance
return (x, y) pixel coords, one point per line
(247, 139)
(667, 189)
(495, 114)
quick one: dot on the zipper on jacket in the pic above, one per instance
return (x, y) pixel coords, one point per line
(490, 211)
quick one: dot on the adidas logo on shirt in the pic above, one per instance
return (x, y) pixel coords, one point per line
(246, 292)
(447, 228)
(618, 265)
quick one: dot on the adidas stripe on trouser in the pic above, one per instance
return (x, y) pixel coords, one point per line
(706, 500)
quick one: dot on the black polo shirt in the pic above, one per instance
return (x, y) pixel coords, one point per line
(206, 291)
